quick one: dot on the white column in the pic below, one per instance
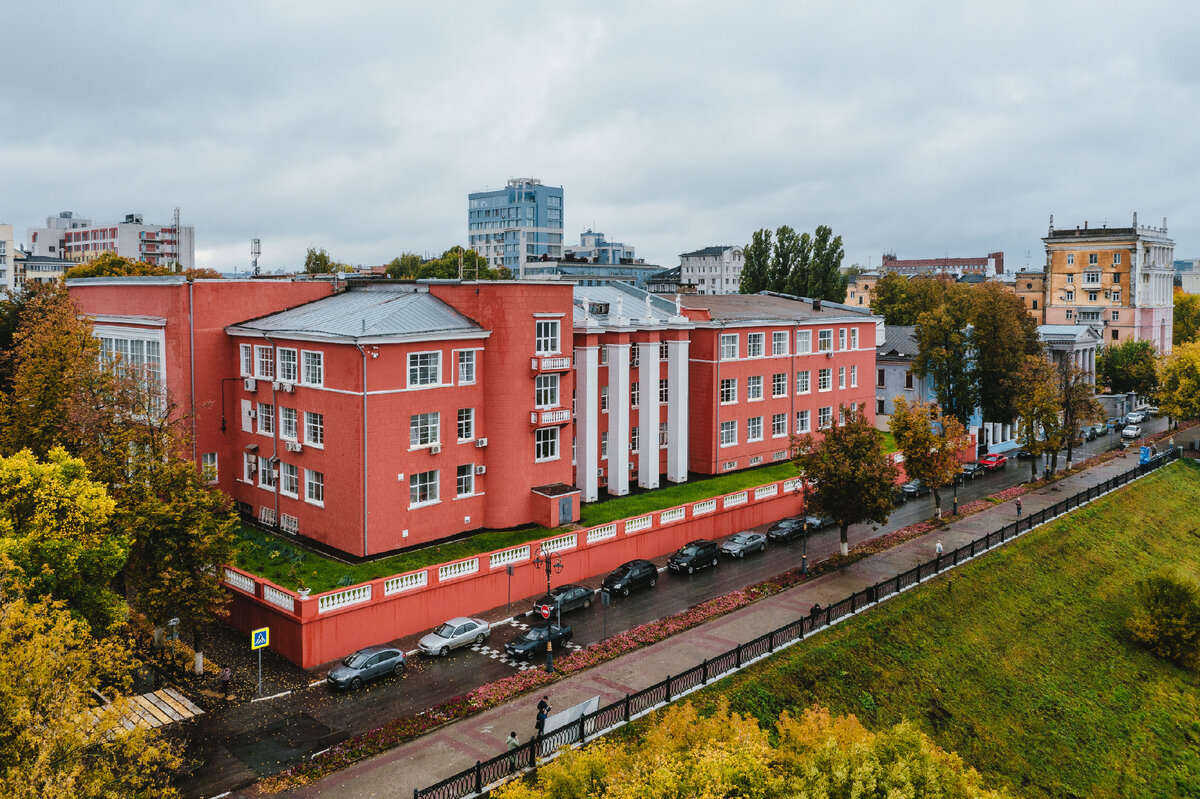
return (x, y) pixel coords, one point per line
(587, 422)
(677, 410)
(618, 419)
(648, 414)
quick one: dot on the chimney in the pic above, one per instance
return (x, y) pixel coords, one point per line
(816, 303)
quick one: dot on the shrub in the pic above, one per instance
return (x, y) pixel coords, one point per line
(1167, 621)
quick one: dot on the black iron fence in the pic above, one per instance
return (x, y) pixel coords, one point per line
(485, 773)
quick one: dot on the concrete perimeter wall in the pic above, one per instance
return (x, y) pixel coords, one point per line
(323, 627)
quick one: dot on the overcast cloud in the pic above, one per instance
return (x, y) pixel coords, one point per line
(927, 128)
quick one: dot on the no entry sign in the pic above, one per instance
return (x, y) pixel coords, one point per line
(545, 611)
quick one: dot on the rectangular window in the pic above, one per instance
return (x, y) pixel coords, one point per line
(635, 394)
(1070, 278)
(1116, 316)
(824, 417)
(249, 467)
(545, 337)
(779, 342)
(266, 477)
(466, 367)
(1116, 277)
(423, 488)
(314, 368)
(824, 380)
(289, 479)
(465, 480)
(1093, 258)
(287, 364)
(1092, 295)
(466, 424)
(664, 391)
(802, 422)
(728, 434)
(729, 346)
(266, 418)
(424, 369)
(825, 341)
(881, 379)
(778, 425)
(1116, 257)
(803, 342)
(1070, 259)
(754, 387)
(779, 384)
(287, 423)
(754, 345)
(314, 428)
(1070, 296)
(208, 467)
(604, 446)
(603, 399)
(754, 428)
(545, 392)
(662, 434)
(314, 487)
(803, 382)
(841, 338)
(854, 338)
(603, 355)
(664, 350)
(908, 379)
(1070, 314)
(728, 390)
(853, 377)
(1116, 296)
(841, 377)
(266, 363)
(1091, 278)
(634, 437)
(247, 361)
(424, 429)
(545, 444)
(879, 407)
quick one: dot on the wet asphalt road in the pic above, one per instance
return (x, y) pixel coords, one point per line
(239, 745)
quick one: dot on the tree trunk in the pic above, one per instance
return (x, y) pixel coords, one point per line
(1054, 464)
(1033, 469)
(1070, 449)
(845, 540)
(937, 502)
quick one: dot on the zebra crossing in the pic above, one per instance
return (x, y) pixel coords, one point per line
(498, 653)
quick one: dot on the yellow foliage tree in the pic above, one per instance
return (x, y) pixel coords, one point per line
(931, 443)
(1179, 382)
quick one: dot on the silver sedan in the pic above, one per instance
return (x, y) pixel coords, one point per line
(740, 544)
(457, 632)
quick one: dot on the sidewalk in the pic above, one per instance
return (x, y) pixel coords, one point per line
(455, 747)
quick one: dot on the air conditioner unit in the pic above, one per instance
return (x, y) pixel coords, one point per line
(631, 466)
(600, 472)
(288, 387)
(481, 469)
(252, 413)
(250, 384)
(274, 476)
(435, 449)
(275, 384)
(481, 442)
(295, 446)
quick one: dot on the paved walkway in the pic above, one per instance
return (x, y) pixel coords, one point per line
(455, 747)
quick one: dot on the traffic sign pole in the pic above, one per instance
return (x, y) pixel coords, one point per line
(260, 639)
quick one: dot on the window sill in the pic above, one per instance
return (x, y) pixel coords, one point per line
(316, 503)
(754, 399)
(556, 457)
(428, 446)
(425, 504)
(468, 496)
(289, 496)
(726, 446)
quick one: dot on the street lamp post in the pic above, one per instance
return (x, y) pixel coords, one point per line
(803, 491)
(547, 558)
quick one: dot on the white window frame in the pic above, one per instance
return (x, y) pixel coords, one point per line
(664, 350)
(729, 346)
(729, 433)
(424, 489)
(1116, 258)
(464, 480)
(779, 342)
(824, 380)
(210, 468)
(249, 467)
(1093, 258)
(289, 475)
(779, 384)
(754, 428)
(635, 438)
(728, 391)
(545, 444)
(804, 381)
(825, 340)
(803, 422)
(803, 342)
(664, 391)
(312, 365)
(853, 377)
(546, 338)
(841, 339)
(603, 399)
(635, 394)
(288, 423)
(424, 430)
(754, 388)
(266, 476)
(264, 363)
(755, 344)
(286, 364)
(663, 434)
(423, 366)
(247, 360)
(466, 367)
(466, 423)
(314, 423)
(825, 417)
(265, 418)
(841, 377)
(779, 425)
(1070, 259)
(854, 338)
(545, 392)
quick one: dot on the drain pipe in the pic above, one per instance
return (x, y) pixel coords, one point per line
(192, 365)
(365, 515)
(275, 462)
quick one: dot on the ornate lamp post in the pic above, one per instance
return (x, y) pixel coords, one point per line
(803, 491)
(548, 559)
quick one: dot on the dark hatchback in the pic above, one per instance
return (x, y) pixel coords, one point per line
(694, 555)
(564, 598)
(367, 664)
(533, 641)
(792, 527)
(631, 575)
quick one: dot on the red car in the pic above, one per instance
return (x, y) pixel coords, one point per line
(993, 462)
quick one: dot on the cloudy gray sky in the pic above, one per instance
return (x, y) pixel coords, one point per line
(927, 128)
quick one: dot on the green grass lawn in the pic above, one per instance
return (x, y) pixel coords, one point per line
(1022, 666)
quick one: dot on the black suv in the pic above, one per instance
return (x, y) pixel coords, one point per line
(627, 576)
(694, 555)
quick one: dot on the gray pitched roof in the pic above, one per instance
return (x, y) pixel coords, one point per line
(899, 341)
(632, 304)
(377, 312)
(707, 251)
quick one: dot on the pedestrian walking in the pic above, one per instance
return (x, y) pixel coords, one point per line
(512, 742)
(540, 724)
(544, 704)
(1018, 507)
(226, 678)
(816, 608)
(938, 549)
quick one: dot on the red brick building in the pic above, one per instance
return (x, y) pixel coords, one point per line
(988, 265)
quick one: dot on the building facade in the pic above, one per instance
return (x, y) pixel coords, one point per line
(712, 270)
(519, 223)
(894, 376)
(38, 268)
(590, 274)
(78, 239)
(1074, 344)
(1118, 280)
(1031, 288)
(598, 250)
(861, 289)
(8, 252)
(987, 265)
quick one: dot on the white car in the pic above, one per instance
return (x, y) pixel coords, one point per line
(1132, 431)
(459, 631)
(1137, 417)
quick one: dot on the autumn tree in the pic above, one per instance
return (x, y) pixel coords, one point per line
(1128, 366)
(55, 743)
(1003, 333)
(1038, 404)
(1179, 382)
(1186, 325)
(931, 443)
(1079, 403)
(756, 263)
(854, 479)
(944, 355)
(109, 264)
(405, 267)
(901, 300)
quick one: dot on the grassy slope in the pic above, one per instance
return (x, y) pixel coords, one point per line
(1023, 667)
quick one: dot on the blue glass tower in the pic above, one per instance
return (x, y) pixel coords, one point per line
(516, 224)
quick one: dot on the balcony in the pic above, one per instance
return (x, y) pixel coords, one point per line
(557, 363)
(557, 416)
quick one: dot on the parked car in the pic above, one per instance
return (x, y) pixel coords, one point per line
(898, 496)
(1132, 431)
(970, 471)
(793, 527)
(915, 488)
(631, 575)
(694, 555)
(1135, 417)
(1151, 411)
(740, 544)
(564, 598)
(457, 632)
(367, 664)
(1101, 429)
(993, 462)
(1087, 433)
(533, 641)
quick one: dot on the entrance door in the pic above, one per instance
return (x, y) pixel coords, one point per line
(565, 510)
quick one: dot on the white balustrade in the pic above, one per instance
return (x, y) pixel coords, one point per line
(762, 492)
(498, 559)
(281, 598)
(341, 599)
(560, 543)
(405, 582)
(602, 533)
(792, 485)
(240, 581)
(672, 515)
(459, 569)
(740, 498)
(554, 417)
(640, 523)
(556, 363)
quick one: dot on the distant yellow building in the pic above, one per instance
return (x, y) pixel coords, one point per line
(861, 289)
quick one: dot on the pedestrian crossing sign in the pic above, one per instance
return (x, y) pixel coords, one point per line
(260, 638)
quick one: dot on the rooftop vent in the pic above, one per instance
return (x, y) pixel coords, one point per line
(816, 303)
(598, 308)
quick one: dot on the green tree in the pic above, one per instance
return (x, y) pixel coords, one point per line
(901, 300)
(800, 272)
(406, 267)
(459, 262)
(1003, 333)
(785, 258)
(1038, 402)
(854, 479)
(1079, 403)
(55, 744)
(944, 355)
(1186, 325)
(826, 281)
(318, 262)
(931, 443)
(1167, 619)
(1179, 382)
(1128, 366)
(756, 264)
(54, 528)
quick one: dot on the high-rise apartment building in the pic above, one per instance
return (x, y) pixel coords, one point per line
(78, 239)
(519, 223)
(8, 251)
(1117, 280)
